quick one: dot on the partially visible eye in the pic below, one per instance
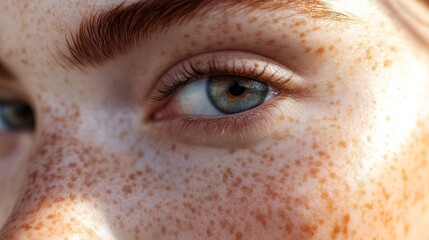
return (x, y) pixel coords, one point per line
(16, 116)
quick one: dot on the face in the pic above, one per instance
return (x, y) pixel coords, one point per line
(226, 120)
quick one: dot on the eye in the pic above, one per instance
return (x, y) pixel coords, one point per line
(236, 96)
(16, 116)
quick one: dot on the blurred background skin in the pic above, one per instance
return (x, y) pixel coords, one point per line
(346, 160)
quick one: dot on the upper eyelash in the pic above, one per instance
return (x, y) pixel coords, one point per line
(191, 71)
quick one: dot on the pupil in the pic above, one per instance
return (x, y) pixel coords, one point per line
(236, 89)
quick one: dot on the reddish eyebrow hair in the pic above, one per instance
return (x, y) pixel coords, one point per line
(109, 33)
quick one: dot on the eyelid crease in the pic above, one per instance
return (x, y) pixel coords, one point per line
(195, 69)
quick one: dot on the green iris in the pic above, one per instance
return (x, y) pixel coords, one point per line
(16, 116)
(235, 94)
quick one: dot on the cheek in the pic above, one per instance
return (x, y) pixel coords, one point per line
(316, 186)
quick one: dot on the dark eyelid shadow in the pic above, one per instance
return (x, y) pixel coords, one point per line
(109, 33)
(5, 73)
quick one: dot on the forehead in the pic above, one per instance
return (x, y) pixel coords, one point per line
(61, 15)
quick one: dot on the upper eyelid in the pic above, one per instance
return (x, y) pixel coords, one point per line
(12, 91)
(268, 71)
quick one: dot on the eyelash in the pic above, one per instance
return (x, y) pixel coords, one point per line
(192, 71)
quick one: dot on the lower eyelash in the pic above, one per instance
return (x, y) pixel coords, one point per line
(237, 128)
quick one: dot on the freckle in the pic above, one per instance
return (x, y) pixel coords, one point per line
(330, 87)
(342, 144)
(186, 35)
(314, 172)
(300, 23)
(186, 156)
(271, 42)
(193, 43)
(333, 175)
(253, 19)
(320, 51)
(315, 28)
(321, 153)
(335, 232)
(72, 165)
(173, 147)
(238, 27)
(127, 189)
(314, 146)
(233, 39)
(346, 219)
(387, 63)
(369, 139)
(163, 229)
(261, 219)
(209, 232)
(369, 54)
(24, 61)
(275, 20)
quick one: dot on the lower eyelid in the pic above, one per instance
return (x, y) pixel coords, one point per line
(230, 130)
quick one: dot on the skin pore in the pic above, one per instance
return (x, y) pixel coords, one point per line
(340, 153)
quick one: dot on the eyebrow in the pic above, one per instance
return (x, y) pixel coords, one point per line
(108, 33)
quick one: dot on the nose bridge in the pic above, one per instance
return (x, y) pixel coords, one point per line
(56, 201)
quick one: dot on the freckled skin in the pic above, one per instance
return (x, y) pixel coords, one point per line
(348, 161)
